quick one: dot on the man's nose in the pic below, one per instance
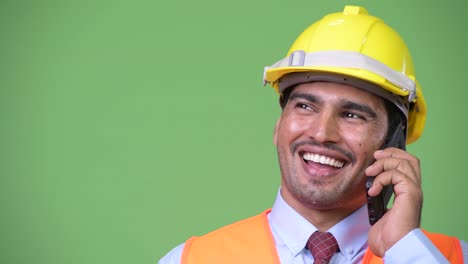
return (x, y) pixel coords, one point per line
(324, 128)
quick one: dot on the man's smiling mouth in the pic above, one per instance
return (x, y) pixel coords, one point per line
(322, 160)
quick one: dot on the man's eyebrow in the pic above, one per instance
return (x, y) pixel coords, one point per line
(309, 97)
(350, 105)
(359, 107)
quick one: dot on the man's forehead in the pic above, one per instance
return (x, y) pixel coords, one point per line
(334, 89)
(290, 81)
(340, 95)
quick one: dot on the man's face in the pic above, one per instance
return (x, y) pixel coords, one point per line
(325, 138)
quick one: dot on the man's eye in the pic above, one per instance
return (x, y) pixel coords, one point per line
(353, 116)
(302, 106)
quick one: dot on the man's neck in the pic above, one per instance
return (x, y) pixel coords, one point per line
(322, 219)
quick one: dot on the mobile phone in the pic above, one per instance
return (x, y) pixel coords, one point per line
(377, 205)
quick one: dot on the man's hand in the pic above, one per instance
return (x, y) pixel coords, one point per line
(402, 170)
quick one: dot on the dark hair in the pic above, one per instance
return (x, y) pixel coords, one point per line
(395, 116)
(284, 96)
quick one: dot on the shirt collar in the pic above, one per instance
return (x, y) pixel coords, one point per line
(352, 232)
(294, 230)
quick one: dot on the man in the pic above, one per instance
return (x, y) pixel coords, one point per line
(347, 89)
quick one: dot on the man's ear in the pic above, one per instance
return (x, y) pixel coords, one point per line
(275, 133)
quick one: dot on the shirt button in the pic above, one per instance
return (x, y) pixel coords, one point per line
(349, 250)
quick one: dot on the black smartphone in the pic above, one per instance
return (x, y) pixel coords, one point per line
(377, 205)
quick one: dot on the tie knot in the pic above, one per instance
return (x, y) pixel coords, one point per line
(322, 246)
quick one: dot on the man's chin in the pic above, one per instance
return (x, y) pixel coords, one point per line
(318, 199)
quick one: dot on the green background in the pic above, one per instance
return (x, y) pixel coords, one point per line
(129, 126)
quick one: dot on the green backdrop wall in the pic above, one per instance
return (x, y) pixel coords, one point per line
(129, 126)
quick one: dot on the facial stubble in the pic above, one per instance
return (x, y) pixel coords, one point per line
(316, 194)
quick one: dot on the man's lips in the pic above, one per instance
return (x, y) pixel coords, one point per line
(328, 150)
(322, 159)
(321, 165)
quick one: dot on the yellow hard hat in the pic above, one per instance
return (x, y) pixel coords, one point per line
(358, 49)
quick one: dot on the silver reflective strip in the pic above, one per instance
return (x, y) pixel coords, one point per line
(347, 59)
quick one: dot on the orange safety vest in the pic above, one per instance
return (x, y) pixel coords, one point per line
(251, 241)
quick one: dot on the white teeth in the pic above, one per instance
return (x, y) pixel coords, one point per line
(323, 160)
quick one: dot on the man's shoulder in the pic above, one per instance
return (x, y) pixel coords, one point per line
(243, 232)
(245, 241)
(248, 226)
(173, 256)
